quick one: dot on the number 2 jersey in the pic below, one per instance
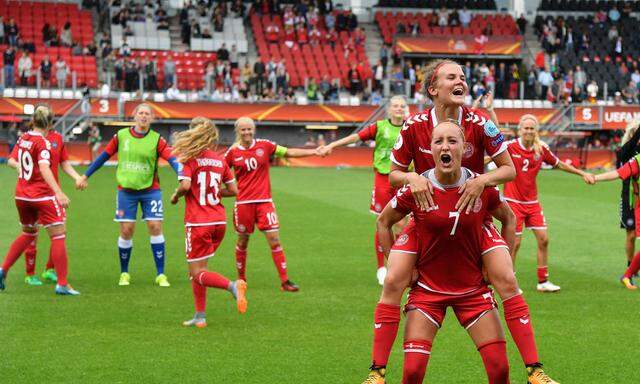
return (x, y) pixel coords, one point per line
(207, 172)
(31, 150)
(251, 166)
(450, 242)
(523, 189)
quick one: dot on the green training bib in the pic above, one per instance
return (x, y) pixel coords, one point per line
(137, 159)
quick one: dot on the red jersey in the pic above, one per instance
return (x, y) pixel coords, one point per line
(58, 152)
(414, 143)
(449, 242)
(207, 172)
(523, 189)
(251, 166)
(31, 150)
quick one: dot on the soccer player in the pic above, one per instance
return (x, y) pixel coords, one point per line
(445, 84)
(59, 156)
(630, 169)
(449, 261)
(138, 149)
(528, 153)
(384, 133)
(202, 178)
(39, 200)
(249, 157)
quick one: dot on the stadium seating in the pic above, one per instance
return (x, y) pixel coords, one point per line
(190, 66)
(309, 60)
(146, 35)
(585, 5)
(449, 4)
(233, 34)
(503, 24)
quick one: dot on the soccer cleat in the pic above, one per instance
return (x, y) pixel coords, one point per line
(289, 286)
(32, 280)
(240, 290)
(162, 280)
(66, 290)
(50, 274)
(537, 376)
(199, 322)
(125, 279)
(547, 286)
(381, 274)
(2, 276)
(376, 376)
(628, 283)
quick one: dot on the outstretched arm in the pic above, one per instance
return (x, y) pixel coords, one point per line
(295, 152)
(353, 138)
(587, 177)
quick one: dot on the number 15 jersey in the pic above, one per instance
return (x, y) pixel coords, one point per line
(251, 166)
(207, 172)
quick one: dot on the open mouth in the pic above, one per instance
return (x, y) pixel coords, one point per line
(458, 91)
(445, 158)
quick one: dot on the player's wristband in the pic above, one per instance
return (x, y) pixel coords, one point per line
(280, 151)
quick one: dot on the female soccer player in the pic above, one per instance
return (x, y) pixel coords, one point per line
(445, 84)
(384, 133)
(250, 158)
(60, 157)
(205, 218)
(630, 169)
(528, 154)
(138, 150)
(39, 200)
(449, 261)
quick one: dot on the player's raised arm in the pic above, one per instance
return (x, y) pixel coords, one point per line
(586, 176)
(351, 139)
(629, 169)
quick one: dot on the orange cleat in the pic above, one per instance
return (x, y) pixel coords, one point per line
(628, 283)
(241, 295)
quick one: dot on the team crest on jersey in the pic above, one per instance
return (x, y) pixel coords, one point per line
(477, 206)
(377, 207)
(402, 239)
(398, 143)
(536, 157)
(468, 150)
(54, 145)
(259, 152)
(45, 155)
(241, 228)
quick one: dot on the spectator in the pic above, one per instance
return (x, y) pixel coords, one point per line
(384, 56)
(131, 76)
(315, 36)
(454, 18)
(169, 72)
(218, 23)
(185, 32)
(2, 26)
(233, 56)
(355, 80)
(330, 21)
(104, 90)
(359, 37)
(592, 91)
(378, 75)
(465, 17)
(11, 31)
(272, 33)
(569, 40)
(312, 89)
(66, 38)
(76, 49)
(61, 73)
(635, 77)
(352, 20)
(119, 71)
(443, 17)
(488, 30)
(125, 49)
(522, 24)
(151, 75)
(545, 79)
(238, 9)
(617, 99)
(579, 77)
(502, 88)
(260, 72)
(341, 22)
(195, 30)
(325, 88)
(12, 136)
(9, 58)
(282, 77)
(618, 50)
(45, 71)
(106, 50)
(630, 93)
(173, 93)
(614, 14)
(206, 34)
(289, 36)
(613, 33)
(223, 53)
(332, 37)
(25, 64)
(302, 34)
(577, 95)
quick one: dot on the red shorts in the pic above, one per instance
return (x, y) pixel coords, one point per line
(46, 212)
(245, 216)
(469, 308)
(202, 241)
(407, 240)
(381, 194)
(528, 216)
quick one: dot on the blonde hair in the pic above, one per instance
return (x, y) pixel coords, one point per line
(630, 130)
(142, 105)
(398, 98)
(453, 122)
(42, 117)
(202, 134)
(430, 73)
(243, 119)
(537, 143)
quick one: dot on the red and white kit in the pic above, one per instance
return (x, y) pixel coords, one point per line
(205, 218)
(382, 190)
(450, 259)
(522, 192)
(253, 203)
(414, 144)
(35, 200)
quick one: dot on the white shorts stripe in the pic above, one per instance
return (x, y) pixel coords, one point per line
(429, 317)
(476, 320)
(201, 258)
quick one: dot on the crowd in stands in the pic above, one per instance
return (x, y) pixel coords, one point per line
(202, 19)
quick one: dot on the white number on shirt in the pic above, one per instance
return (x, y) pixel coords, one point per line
(525, 165)
(26, 164)
(455, 214)
(156, 206)
(272, 218)
(251, 163)
(214, 182)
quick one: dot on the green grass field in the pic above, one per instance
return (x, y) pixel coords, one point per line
(110, 334)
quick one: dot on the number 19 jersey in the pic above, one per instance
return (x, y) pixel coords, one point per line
(32, 150)
(251, 166)
(207, 171)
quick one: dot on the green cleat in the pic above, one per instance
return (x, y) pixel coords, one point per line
(162, 280)
(50, 275)
(125, 279)
(32, 280)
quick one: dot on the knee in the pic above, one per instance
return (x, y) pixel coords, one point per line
(505, 283)
(126, 233)
(543, 242)
(155, 228)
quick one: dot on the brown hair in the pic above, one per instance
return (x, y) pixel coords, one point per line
(430, 73)
(202, 134)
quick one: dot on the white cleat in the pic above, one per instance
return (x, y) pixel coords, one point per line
(381, 274)
(547, 286)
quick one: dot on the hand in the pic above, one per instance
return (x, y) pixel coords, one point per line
(323, 150)
(476, 102)
(174, 198)
(62, 199)
(471, 191)
(82, 183)
(589, 178)
(422, 191)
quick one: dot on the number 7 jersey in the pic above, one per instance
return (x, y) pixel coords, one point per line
(251, 166)
(207, 172)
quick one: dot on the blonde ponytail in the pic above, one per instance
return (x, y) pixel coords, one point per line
(201, 135)
(537, 143)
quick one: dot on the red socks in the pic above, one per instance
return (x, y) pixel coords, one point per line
(543, 274)
(494, 357)
(280, 261)
(416, 357)
(241, 263)
(379, 253)
(634, 267)
(49, 264)
(58, 254)
(18, 246)
(199, 286)
(30, 258)
(386, 319)
(516, 314)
